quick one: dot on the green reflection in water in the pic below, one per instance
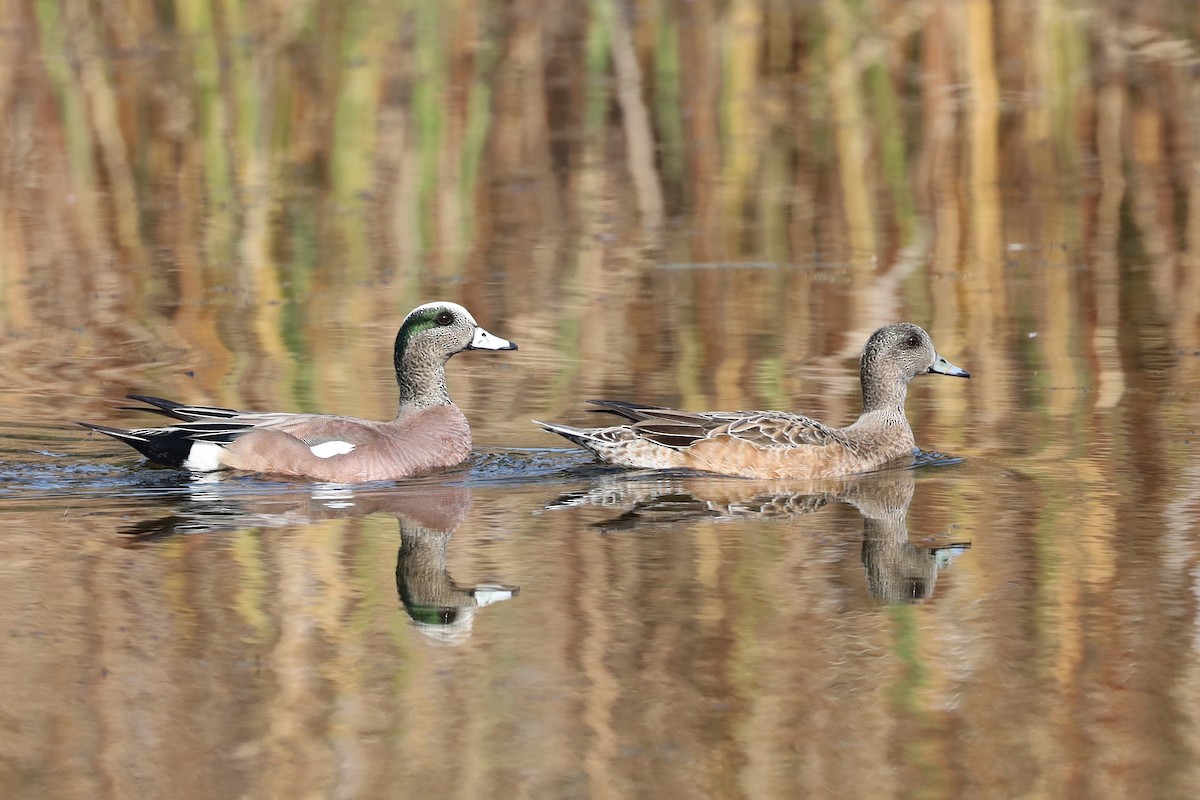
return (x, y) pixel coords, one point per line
(918, 740)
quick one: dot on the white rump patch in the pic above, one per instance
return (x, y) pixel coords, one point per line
(334, 448)
(204, 457)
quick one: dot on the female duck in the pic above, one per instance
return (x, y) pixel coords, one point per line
(428, 433)
(776, 444)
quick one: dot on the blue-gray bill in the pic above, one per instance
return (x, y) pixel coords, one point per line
(944, 367)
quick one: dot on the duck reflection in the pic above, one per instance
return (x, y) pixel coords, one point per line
(439, 607)
(897, 570)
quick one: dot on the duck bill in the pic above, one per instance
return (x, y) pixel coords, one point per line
(482, 340)
(943, 367)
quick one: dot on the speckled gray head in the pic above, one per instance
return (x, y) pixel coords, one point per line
(447, 327)
(893, 356)
(428, 337)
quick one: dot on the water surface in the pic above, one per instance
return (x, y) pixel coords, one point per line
(706, 205)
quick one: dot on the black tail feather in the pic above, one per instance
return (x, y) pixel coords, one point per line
(631, 411)
(167, 446)
(158, 406)
(169, 408)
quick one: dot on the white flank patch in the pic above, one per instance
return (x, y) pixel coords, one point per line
(204, 457)
(334, 448)
(486, 595)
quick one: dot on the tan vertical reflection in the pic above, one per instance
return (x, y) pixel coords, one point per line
(255, 250)
(397, 171)
(1044, 83)
(88, 104)
(986, 289)
(14, 267)
(850, 126)
(938, 167)
(341, 671)
(601, 757)
(699, 79)
(452, 240)
(400, 161)
(102, 106)
(250, 599)
(1187, 318)
(249, 141)
(984, 110)
(595, 285)
(195, 322)
(742, 124)
(639, 138)
(296, 763)
(1150, 208)
(14, 275)
(939, 170)
(1110, 116)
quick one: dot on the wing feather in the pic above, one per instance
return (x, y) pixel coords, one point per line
(777, 429)
(764, 429)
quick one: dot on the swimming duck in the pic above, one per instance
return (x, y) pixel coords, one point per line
(428, 433)
(777, 444)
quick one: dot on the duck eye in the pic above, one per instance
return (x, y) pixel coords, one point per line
(913, 341)
(444, 318)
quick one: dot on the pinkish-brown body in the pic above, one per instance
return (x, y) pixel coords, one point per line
(429, 433)
(417, 442)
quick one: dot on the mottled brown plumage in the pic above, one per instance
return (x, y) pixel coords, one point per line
(778, 444)
(428, 433)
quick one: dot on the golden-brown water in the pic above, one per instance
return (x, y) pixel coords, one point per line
(700, 204)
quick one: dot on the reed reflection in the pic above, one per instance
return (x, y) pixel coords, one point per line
(897, 570)
(439, 607)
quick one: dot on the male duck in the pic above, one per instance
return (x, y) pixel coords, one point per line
(776, 444)
(429, 432)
